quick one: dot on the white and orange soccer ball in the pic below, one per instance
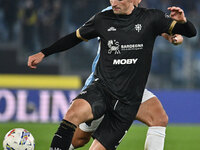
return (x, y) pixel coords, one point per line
(18, 139)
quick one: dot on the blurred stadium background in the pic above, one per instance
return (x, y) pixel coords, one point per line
(37, 99)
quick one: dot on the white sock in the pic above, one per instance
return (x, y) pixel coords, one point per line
(155, 138)
(71, 147)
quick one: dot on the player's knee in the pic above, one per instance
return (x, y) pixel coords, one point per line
(161, 120)
(72, 116)
(165, 120)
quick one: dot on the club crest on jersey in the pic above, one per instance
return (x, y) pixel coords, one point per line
(113, 46)
(138, 27)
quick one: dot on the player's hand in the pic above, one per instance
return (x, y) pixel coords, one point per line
(177, 39)
(177, 14)
(35, 59)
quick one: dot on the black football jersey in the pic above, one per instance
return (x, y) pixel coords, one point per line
(126, 45)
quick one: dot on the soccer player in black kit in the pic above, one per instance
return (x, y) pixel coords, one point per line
(127, 36)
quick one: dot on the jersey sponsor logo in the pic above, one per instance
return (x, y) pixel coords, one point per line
(125, 61)
(138, 27)
(131, 47)
(113, 46)
(111, 29)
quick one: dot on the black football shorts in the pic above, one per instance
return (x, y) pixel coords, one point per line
(118, 115)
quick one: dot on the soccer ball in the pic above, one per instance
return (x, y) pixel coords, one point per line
(18, 139)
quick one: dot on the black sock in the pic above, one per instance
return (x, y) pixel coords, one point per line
(63, 137)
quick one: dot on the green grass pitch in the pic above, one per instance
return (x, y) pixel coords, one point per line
(179, 137)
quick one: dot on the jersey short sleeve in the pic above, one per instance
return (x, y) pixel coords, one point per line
(88, 30)
(163, 23)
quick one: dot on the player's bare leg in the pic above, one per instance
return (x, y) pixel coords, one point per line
(152, 114)
(80, 111)
(96, 145)
(80, 138)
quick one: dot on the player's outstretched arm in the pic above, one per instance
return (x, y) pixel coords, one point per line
(62, 44)
(175, 39)
(35, 59)
(183, 26)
